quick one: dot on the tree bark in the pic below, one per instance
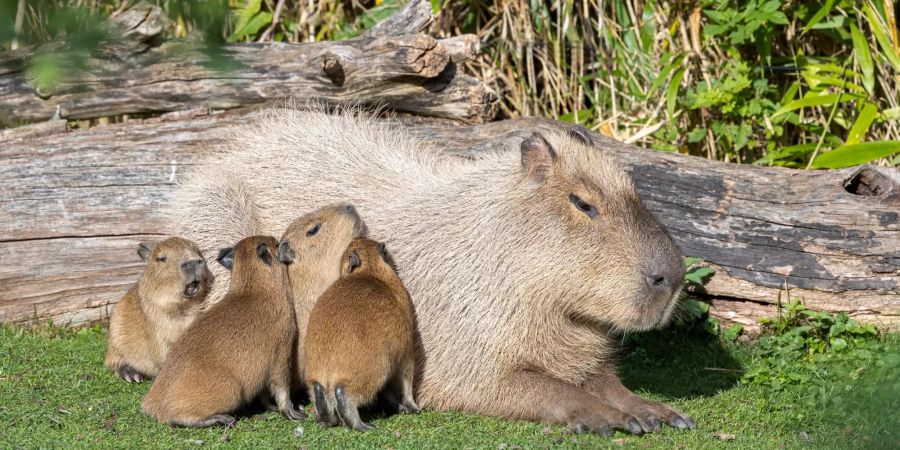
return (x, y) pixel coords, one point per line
(74, 206)
(395, 66)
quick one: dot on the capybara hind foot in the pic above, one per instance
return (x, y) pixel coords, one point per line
(324, 414)
(293, 414)
(130, 374)
(218, 419)
(407, 407)
(348, 411)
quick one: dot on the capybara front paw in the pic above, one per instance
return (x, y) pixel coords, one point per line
(129, 374)
(583, 425)
(652, 415)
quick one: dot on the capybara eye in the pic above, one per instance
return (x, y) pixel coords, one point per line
(584, 206)
(312, 231)
(161, 258)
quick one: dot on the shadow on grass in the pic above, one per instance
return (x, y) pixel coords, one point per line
(678, 363)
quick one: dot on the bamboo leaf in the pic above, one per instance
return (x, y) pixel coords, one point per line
(887, 48)
(813, 99)
(862, 124)
(851, 155)
(244, 14)
(252, 27)
(863, 57)
(664, 74)
(820, 14)
(672, 91)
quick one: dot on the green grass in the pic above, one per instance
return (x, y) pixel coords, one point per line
(55, 392)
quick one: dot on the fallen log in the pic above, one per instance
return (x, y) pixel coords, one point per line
(74, 206)
(395, 66)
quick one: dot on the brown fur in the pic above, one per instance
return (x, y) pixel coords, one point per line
(518, 293)
(155, 312)
(360, 339)
(238, 349)
(314, 262)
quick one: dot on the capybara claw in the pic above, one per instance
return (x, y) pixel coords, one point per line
(589, 425)
(294, 414)
(409, 408)
(632, 426)
(130, 375)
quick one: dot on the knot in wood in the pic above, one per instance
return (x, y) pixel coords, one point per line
(333, 69)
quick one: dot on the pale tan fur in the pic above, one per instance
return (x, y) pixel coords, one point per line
(238, 349)
(515, 289)
(315, 262)
(360, 336)
(154, 313)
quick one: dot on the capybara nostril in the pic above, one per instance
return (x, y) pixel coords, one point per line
(656, 280)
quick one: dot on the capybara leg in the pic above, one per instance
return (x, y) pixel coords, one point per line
(324, 412)
(407, 400)
(130, 374)
(651, 415)
(280, 387)
(282, 394)
(218, 419)
(347, 410)
(536, 396)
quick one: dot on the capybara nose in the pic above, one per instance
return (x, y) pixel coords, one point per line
(655, 280)
(188, 265)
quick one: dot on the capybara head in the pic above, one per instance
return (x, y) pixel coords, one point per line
(176, 271)
(616, 265)
(366, 256)
(252, 260)
(317, 240)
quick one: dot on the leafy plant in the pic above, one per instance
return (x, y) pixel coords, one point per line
(831, 346)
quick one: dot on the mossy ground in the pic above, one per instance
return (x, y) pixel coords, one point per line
(55, 392)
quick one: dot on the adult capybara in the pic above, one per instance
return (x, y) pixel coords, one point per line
(519, 264)
(154, 313)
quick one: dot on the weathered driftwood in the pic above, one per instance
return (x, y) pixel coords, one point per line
(396, 67)
(73, 207)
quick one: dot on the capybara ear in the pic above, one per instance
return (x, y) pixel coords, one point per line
(582, 134)
(285, 252)
(537, 157)
(263, 253)
(226, 257)
(354, 262)
(144, 251)
(382, 249)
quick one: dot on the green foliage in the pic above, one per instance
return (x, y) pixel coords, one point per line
(692, 313)
(54, 389)
(829, 347)
(796, 84)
